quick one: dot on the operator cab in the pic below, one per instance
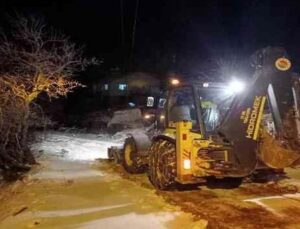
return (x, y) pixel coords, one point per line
(205, 105)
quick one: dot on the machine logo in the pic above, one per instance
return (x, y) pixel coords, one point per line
(283, 64)
(252, 117)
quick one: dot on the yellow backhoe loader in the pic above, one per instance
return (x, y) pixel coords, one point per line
(211, 133)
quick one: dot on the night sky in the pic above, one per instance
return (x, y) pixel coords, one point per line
(185, 36)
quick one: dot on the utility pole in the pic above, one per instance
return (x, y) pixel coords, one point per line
(133, 34)
(122, 36)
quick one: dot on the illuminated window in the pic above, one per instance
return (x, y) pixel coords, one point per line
(150, 101)
(105, 87)
(122, 86)
(161, 103)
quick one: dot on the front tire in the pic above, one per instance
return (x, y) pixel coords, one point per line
(162, 164)
(130, 158)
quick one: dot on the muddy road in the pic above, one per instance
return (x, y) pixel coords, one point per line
(260, 204)
(65, 193)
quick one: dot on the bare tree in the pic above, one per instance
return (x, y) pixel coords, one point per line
(33, 59)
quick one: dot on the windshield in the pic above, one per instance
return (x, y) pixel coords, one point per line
(181, 107)
(214, 103)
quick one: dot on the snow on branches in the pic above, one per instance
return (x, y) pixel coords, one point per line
(34, 59)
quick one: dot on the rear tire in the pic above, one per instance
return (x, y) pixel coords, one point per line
(130, 158)
(162, 164)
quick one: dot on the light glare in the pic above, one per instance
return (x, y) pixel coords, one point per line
(147, 116)
(175, 81)
(235, 87)
(205, 84)
(187, 164)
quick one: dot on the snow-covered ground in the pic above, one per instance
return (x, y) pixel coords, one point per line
(78, 146)
(86, 147)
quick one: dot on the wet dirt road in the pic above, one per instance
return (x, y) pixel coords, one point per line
(64, 193)
(252, 205)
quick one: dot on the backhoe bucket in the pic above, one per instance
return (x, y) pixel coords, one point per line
(276, 155)
(284, 151)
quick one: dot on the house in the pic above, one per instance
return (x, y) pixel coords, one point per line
(133, 88)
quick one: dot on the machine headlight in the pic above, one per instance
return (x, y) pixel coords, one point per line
(175, 81)
(187, 164)
(147, 116)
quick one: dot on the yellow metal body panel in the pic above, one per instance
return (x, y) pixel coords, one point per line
(188, 144)
(184, 147)
(171, 132)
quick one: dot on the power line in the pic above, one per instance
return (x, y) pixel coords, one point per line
(122, 22)
(133, 32)
(122, 34)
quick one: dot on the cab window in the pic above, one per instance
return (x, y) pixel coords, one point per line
(214, 105)
(181, 107)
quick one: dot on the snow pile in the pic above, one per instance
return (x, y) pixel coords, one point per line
(120, 136)
(125, 119)
(95, 121)
(126, 116)
(85, 147)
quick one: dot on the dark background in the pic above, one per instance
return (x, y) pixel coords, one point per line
(206, 38)
(171, 35)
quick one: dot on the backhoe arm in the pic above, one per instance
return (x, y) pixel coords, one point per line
(272, 87)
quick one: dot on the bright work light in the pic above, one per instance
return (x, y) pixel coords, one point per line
(235, 87)
(205, 84)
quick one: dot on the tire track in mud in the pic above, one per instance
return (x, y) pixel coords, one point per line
(223, 208)
(223, 212)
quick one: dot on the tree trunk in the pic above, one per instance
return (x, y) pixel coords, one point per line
(28, 156)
